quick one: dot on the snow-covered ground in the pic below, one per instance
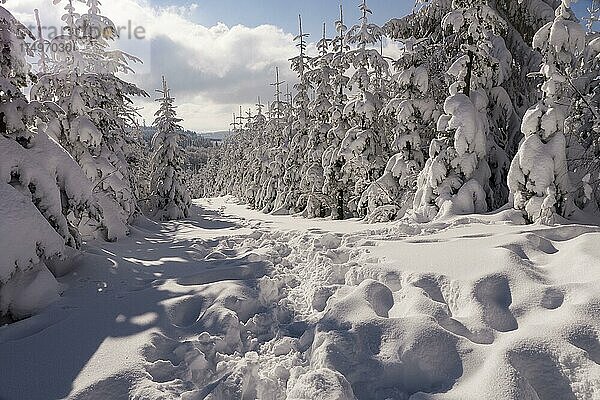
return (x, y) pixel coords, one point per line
(235, 304)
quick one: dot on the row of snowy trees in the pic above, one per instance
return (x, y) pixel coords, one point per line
(70, 167)
(489, 102)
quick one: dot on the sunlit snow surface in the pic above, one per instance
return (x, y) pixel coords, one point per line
(471, 308)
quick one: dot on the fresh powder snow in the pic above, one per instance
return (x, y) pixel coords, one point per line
(405, 205)
(233, 303)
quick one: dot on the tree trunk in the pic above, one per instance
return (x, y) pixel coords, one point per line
(340, 205)
(467, 90)
(3, 127)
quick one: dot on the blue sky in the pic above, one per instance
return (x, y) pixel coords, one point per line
(284, 13)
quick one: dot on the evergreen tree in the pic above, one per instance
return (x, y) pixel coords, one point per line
(295, 166)
(274, 187)
(170, 197)
(413, 112)
(538, 179)
(99, 113)
(332, 160)
(456, 178)
(317, 204)
(257, 126)
(43, 192)
(364, 145)
(582, 125)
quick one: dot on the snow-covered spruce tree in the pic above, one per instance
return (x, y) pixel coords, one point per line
(236, 149)
(365, 145)
(99, 113)
(250, 159)
(170, 198)
(287, 148)
(295, 163)
(508, 100)
(317, 204)
(424, 21)
(260, 158)
(334, 186)
(245, 169)
(414, 112)
(118, 122)
(538, 178)
(41, 44)
(137, 149)
(42, 189)
(506, 109)
(257, 158)
(456, 178)
(229, 179)
(582, 126)
(272, 162)
(273, 188)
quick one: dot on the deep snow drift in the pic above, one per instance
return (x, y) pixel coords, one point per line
(235, 304)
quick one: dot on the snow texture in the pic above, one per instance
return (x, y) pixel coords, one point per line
(233, 303)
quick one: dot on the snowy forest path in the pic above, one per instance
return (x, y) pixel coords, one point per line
(122, 296)
(235, 304)
(112, 304)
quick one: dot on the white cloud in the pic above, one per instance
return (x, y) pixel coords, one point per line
(211, 70)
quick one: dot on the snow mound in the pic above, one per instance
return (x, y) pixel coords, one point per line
(26, 285)
(321, 384)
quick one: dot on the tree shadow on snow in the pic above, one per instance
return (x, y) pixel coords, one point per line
(204, 218)
(115, 294)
